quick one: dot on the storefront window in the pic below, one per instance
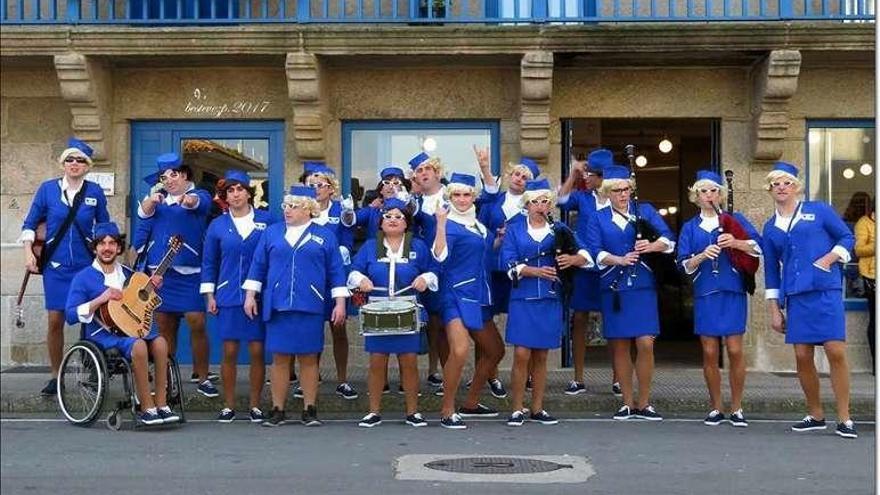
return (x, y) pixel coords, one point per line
(841, 169)
(371, 146)
(211, 158)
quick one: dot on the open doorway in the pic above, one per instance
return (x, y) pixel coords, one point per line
(669, 152)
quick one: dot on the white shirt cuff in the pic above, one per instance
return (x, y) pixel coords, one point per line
(254, 285)
(347, 218)
(206, 288)
(432, 281)
(590, 263)
(27, 235)
(771, 294)
(670, 245)
(143, 214)
(346, 256)
(757, 247)
(562, 199)
(842, 252)
(685, 266)
(600, 258)
(443, 255)
(354, 279)
(339, 292)
(83, 313)
(516, 272)
(492, 189)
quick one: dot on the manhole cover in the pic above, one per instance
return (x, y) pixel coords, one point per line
(495, 465)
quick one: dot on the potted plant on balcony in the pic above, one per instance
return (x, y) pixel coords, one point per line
(438, 8)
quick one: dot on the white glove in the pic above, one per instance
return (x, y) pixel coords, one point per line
(346, 256)
(347, 203)
(403, 196)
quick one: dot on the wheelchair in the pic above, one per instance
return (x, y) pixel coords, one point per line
(84, 384)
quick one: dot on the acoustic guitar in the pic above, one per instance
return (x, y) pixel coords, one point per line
(132, 315)
(37, 249)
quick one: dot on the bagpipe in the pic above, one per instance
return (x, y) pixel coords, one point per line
(744, 263)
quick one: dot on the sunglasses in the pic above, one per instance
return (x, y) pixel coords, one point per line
(707, 191)
(318, 185)
(173, 174)
(593, 174)
(75, 159)
(392, 216)
(542, 201)
(786, 183)
(621, 190)
(391, 182)
(290, 206)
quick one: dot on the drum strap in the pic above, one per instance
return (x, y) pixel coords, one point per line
(382, 252)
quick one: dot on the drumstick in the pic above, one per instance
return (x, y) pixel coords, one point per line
(401, 291)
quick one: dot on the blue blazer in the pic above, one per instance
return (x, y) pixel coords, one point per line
(417, 262)
(294, 278)
(169, 220)
(493, 217)
(693, 239)
(605, 235)
(789, 256)
(47, 206)
(464, 275)
(227, 257)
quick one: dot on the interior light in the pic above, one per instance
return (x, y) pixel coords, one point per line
(848, 173)
(641, 161)
(665, 146)
(673, 210)
(866, 169)
(429, 144)
(663, 212)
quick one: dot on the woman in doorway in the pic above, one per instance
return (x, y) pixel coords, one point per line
(371, 273)
(462, 245)
(629, 295)
(229, 249)
(805, 245)
(866, 236)
(535, 323)
(293, 262)
(719, 294)
(67, 249)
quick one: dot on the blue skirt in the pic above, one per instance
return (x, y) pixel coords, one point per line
(393, 344)
(233, 324)
(585, 296)
(108, 340)
(295, 332)
(637, 316)
(471, 314)
(720, 314)
(815, 317)
(56, 285)
(500, 292)
(536, 323)
(180, 293)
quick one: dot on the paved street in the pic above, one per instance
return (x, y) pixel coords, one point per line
(672, 457)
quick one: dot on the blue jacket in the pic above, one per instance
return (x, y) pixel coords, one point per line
(464, 275)
(519, 245)
(493, 217)
(693, 239)
(47, 206)
(605, 235)
(169, 220)
(227, 257)
(293, 278)
(416, 262)
(789, 256)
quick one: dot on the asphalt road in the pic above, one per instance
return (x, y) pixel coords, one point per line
(672, 457)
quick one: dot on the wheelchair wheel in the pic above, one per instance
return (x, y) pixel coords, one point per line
(82, 383)
(175, 389)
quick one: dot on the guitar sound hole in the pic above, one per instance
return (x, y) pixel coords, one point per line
(142, 295)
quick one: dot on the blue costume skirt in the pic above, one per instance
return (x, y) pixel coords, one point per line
(295, 332)
(394, 344)
(56, 285)
(233, 324)
(585, 296)
(106, 341)
(180, 293)
(815, 317)
(637, 316)
(535, 323)
(471, 314)
(500, 293)
(720, 314)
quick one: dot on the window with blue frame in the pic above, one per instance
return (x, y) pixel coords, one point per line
(370, 146)
(840, 171)
(183, 9)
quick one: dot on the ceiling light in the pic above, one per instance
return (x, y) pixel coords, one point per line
(429, 144)
(641, 161)
(848, 173)
(665, 146)
(866, 169)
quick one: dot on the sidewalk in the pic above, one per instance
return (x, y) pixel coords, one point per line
(676, 391)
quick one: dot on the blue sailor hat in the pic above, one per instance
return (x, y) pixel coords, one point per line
(302, 191)
(391, 171)
(418, 160)
(600, 158)
(787, 168)
(710, 176)
(237, 176)
(465, 179)
(531, 165)
(166, 161)
(105, 229)
(615, 172)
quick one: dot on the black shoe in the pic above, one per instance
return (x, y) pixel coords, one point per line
(478, 411)
(809, 423)
(416, 420)
(226, 415)
(214, 377)
(544, 418)
(616, 390)
(370, 420)
(276, 418)
(453, 422)
(517, 418)
(496, 388)
(50, 389)
(648, 414)
(714, 418)
(386, 389)
(435, 380)
(167, 415)
(737, 419)
(575, 388)
(623, 414)
(346, 391)
(847, 429)
(529, 384)
(310, 417)
(297, 392)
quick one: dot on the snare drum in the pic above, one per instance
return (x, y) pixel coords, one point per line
(389, 317)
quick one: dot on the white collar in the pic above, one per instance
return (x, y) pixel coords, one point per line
(65, 186)
(511, 206)
(390, 252)
(173, 200)
(116, 279)
(538, 233)
(619, 219)
(708, 224)
(599, 203)
(468, 219)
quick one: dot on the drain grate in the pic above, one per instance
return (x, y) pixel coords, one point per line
(495, 465)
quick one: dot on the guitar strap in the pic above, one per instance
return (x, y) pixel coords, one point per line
(50, 248)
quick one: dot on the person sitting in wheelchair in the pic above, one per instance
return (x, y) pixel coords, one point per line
(93, 287)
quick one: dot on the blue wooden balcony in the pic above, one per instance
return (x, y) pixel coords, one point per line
(214, 12)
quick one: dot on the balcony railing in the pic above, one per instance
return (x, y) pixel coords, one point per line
(208, 12)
